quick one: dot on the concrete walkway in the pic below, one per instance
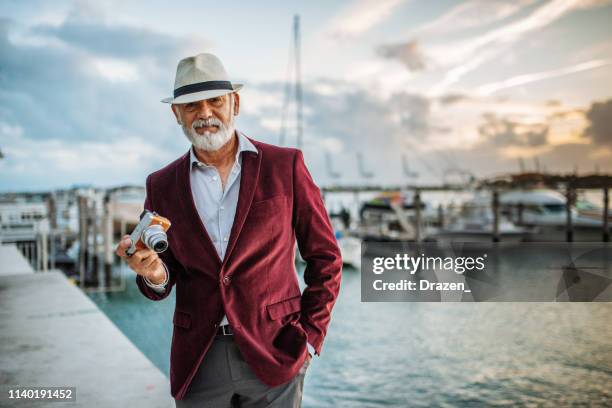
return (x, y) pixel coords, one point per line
(51, 334)
(12, 261)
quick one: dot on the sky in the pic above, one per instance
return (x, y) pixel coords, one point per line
(394, 91)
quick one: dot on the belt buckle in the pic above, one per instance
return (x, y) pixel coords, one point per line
(226, 330)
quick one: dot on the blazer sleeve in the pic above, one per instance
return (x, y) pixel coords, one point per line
(172, 265)
(318, 247)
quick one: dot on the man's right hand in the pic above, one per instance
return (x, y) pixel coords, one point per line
(144, 262)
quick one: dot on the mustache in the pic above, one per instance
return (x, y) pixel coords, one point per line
(207, 122)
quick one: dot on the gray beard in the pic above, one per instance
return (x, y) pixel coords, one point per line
(210, 142)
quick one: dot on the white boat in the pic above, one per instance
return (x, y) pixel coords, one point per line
(546, 210)
(349, 244)
(475, 223)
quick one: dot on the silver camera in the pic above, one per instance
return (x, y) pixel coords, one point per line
(150, 233)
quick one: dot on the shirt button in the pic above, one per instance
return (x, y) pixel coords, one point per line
(214, 178)
(222, 208)
(225, 239)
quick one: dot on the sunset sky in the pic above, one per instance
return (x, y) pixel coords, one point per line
(451, 87)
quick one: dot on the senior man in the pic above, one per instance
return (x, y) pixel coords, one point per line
(242, 328)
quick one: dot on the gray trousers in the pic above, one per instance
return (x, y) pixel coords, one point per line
(225, 380)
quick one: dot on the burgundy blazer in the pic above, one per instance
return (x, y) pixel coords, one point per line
(256, 284)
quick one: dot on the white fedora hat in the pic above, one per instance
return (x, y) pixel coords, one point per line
(200, 77)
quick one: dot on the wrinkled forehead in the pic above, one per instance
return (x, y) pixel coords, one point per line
(228, 97)
(216, 104)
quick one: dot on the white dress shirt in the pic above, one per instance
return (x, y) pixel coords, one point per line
(216, 205)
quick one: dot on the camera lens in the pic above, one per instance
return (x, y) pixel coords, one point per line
(160, 246)
(155, 238)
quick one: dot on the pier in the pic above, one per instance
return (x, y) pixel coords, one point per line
(54, 335)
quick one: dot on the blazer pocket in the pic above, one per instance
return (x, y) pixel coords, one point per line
(182, 319)
(284, 307)
(268, 207)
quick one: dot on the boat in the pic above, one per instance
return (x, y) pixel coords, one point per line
(392, 216)
(475, 223)
(348, 242)
(546, 210)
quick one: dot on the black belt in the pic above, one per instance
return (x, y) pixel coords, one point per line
(225, 330)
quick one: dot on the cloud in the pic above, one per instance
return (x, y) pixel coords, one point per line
(599, 129)
(414, 111)
(467, 55)
(343, 119)
(453, 98)
(114, 70)
(408, 54)
(359, 118)
(108, 40)
(85, 95)
(577, 156)
(490, 88)
(73, 93)
(52, 163)
(503, 132)
(80, 99)
(361, 16)
(471, 14)
(559, 141)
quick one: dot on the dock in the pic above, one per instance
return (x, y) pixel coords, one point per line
(53, 335)
(13, 262)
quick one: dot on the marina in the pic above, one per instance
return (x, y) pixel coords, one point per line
(77, 230)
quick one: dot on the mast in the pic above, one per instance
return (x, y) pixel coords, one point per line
(298, 80)
(293, 82)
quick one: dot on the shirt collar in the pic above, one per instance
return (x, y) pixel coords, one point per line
(244, 145)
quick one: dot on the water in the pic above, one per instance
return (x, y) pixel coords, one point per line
(428, 354)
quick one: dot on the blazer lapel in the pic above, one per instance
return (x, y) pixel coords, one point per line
(189, 209)
(249, 176)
